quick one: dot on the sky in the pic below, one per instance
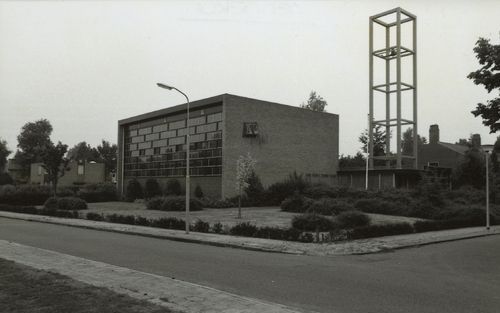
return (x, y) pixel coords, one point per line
(84, 65)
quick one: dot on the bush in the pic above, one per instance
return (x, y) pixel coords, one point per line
(198, 193)
(219, 203)
(24, 194)
(94, 216)
(318, 191)
(52, 203)
(173, 188)
(279, 191)
(352, 219)
(254, 192)
(243, 229)
(142, 221)
(6, 179)
(297, 203)
(18, 209)
(120, 219)
(201, 226)
(151, 188)
(312, 222)
(328, 206)
(173, 203)
(382, 207)
(381, 230)
(71, 204)
(217, 228)
(169, 223)
(134, 190)
(101, 192)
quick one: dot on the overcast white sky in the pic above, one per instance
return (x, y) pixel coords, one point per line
(84, 65)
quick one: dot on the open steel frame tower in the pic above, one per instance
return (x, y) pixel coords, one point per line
(393, 54)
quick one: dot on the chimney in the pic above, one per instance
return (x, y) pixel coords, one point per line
(434, 134)
(476, 141)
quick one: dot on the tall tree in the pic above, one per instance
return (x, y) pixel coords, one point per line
(471, 171)
(32, 140)
(54, 162)
(315, 102)
(488, 76)
(83, 151)
(4, 153)
(379, 140)
(407, 141)
(348, 161)
(108, 154)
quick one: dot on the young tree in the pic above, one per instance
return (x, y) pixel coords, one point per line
(83, 151)
(32, 140)
(54, 162)
(108, 154)
(245, 165)
(407, 141)
(488, 76)
(379, 139)
(4, 153)
(315, 103)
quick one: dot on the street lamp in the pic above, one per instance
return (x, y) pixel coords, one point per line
(487, 149)
(187, 151)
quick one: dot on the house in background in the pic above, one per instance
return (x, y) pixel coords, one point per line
(15, 171)
(77, 173)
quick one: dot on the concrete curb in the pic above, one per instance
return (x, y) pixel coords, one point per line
(361, 246)
(168, 292)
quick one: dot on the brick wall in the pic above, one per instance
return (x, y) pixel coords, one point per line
(290, 139)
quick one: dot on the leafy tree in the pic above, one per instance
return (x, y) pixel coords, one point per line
(54, 162)
(4, 153)
(255, 190)
(198, 193)
(315, 103)
(245, 165)
(151, 188)
(464, 142)
(173, 188)
(134, 190)
(488, 76)
(108, 154)
(348, 161)
(471, 170)
(32, 140)
(83, 151)
(407, 141)
(379, 140)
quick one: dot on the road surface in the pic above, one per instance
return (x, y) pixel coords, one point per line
(459, 276)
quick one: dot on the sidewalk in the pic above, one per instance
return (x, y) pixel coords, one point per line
(177, 295)
(361, 246)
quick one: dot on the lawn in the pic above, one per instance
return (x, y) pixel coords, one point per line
(260, 216)
(25, 290)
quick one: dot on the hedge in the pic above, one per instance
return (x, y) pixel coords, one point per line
(173, 203)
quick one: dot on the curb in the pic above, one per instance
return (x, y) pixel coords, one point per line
(338, 249)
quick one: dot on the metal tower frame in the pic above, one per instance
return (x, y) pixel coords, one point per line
(389, 53)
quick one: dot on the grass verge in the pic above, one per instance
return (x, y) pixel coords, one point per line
(25, 289)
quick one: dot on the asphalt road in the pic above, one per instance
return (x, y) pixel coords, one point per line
(459, 276)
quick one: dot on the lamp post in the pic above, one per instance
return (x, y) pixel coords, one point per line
(187, 151)
(487, 150)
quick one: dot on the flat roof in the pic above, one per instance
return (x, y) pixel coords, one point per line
(198, 104)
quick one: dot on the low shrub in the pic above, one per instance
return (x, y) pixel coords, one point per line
(6, 179)
(201, 226)
(94, 216)
(198, 193)
(51, 203)
(319, 191)
(71, 204)
(173, 203)
(18, 209)
(277, 233)
(218, 203)
(24, 194)
(65, 192)
(120, 219)
(142, 221)
(381, 230)
(134, 190)
(277, 192)
(474, 219)
(382, 207)
(312, 222)
(101, 192)
(328, 206)
(151, 188)
(352, 219)
(169, 223)
(245, 229)
(217, 228)
(173, 188)
(296, 203)
(59, 213)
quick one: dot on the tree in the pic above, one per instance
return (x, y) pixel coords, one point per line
(488, 76)
(108, 154)
(471, 170)
(4, 153)
(348, 161)
(245, 165)
(54, 162)
(315, 103)
(464, 142)
(407, 141)
(32, 140)
(379, 140)
(82, 151)
(254, 190)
